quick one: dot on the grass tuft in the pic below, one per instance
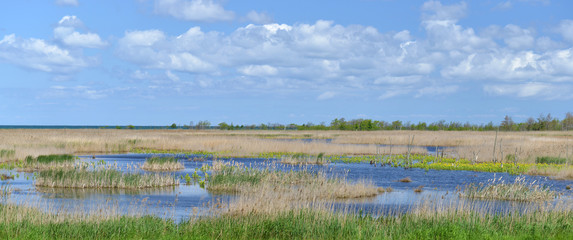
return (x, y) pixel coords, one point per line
(519, 190)
(550, 160)
(406, 179)
(156, 163)
(102, 178)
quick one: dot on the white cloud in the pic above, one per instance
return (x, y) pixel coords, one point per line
(566, 29)
(67, 34)
(39, 55)
(356, 58)
(258, 70)
(439, 12)
(259, 18)
(326, 96)
(539, 90)
(85, 92)
(437, 90)
(194, 10)
(67, 2)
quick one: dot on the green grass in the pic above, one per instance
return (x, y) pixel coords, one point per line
(551, 160)
(45, 159)
(302, 224)
(103, 178)
(7, 153)
(161, 160)
(157, 163)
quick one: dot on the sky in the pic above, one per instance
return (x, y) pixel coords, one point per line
(157, 62)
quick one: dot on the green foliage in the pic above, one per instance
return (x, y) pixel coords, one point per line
(7, 153)
(54, 158)
(550, 160)
(304, 224)
(161, 160)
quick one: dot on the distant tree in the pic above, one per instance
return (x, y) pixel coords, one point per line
(397, 125)
(203, 124)
(506, 124)
(224, 126)
(568, 121)
(130, 127)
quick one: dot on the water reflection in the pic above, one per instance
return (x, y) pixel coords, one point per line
(440, 189)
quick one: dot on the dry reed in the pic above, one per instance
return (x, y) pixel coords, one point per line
(476, 146)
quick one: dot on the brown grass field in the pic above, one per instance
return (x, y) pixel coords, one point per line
(470, 145)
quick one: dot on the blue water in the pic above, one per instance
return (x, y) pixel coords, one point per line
(182, 201)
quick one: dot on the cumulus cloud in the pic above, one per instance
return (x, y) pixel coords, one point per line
(39, 55)
(194, 10)
(259, 18)
(67, 2)
(67, 34)
(358, 58)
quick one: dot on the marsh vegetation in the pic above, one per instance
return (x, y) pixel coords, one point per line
(284, 189)
(162, 163)
(102, 178)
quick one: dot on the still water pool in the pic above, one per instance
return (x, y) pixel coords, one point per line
(182, 201)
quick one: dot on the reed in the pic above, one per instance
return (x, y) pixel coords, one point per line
(424, 222)
(237, 178)
(157, 163)
(519, 190)
(302, 159)
(102, 178)
(47, 162)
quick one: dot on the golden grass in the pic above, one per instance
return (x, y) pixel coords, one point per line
(476, 146)
(162, 167)
(284, 191)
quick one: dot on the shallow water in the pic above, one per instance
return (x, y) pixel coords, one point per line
(180, 202)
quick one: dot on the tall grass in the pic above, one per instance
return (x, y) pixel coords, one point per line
(45, 162)
(304, 159)
(23, 221)
(237, 178)
(519, 190)
(102, 178)
(551, 160)
(157, 163)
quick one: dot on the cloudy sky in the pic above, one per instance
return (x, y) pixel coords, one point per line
(157, 62)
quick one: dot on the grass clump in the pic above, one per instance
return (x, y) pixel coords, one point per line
(302, 159)
(551, 160)
(237, 178)
(102, 178)
(157, 163)
(519, 190)
(45, 162)
(7, 153)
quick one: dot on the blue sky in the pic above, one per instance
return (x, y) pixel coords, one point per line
(157, 62)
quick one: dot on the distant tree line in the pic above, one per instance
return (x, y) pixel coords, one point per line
(542, 123)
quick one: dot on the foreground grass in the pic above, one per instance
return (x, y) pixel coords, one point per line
(102, 178)
(298, 224)
(157, 163)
